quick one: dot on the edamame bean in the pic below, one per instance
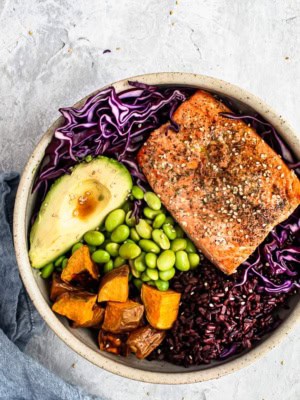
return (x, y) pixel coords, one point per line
(143, 229)
(167, 275)
(169, 231)
(101, 256)
(127, 206)
(161, 239)
(114, 219)
(135, 272)
(138, 283)
(88, 158)
(129, 241)
(149, 221)
(64, 263)
(129, 251)
(169, 220)
(162, 285)
(139, 263)
(182, 261)
(112, 249)
(134, 235)
(119, 261)
(145, 277)
(47, 271)
(120, 234)
(130, 219)
(151, 283)
(149, 213)
(190, 247)
(59, 261)
(159, 220)
(149, 246)
(152, 273)
(179, 232)
(108, 266)
(194, 260)
(137, 193)
(166, 260)
(150, 260)
(178, 244)
(94, 238)
(76, 247)
(152, 200)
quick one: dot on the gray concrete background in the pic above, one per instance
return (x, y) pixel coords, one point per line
(51, 55)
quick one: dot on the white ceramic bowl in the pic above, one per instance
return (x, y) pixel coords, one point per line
(81, 340)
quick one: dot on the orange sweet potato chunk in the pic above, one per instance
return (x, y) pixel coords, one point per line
(122, 317)
(161, 307)
(144, 340)
(81, 308)
(95, 322)
(58, 287)
(114, 285)
(80, 263)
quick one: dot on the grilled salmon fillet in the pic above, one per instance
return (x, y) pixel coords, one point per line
(219, 179)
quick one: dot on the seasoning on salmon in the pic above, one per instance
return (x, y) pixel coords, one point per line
(219, 179)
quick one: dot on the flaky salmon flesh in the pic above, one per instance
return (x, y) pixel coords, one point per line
(219, 179)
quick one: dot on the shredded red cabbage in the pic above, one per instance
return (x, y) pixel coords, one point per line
(112, 124)
(281, 250)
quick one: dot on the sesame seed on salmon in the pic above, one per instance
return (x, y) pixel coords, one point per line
(219, 179)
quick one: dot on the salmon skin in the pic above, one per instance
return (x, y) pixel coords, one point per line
(218, 178)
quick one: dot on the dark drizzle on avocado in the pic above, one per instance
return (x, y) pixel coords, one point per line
(86, 205)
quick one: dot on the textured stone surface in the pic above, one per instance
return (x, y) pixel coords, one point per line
(51, 55)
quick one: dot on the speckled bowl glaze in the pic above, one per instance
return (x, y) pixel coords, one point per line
(81, 340)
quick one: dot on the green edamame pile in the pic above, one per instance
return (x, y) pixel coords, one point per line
(154, 247)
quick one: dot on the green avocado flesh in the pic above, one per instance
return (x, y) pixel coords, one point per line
(75, 204)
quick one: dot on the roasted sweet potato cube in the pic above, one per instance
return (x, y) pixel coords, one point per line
(114, 285)
(113, 343)
(161, 307)
(59, 287)
(122, 317)
(81, 308)
(95, 322)
(142, 341)
(80, 267)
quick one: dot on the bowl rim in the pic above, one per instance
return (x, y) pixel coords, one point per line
(26, 272)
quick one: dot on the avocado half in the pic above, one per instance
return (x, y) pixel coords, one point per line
(75, 204)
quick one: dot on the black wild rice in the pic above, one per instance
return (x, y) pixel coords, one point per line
(216, 318)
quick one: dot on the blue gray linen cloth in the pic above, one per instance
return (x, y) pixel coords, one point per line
(21, 377)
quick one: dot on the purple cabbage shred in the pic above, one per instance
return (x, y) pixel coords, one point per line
(112, 124)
